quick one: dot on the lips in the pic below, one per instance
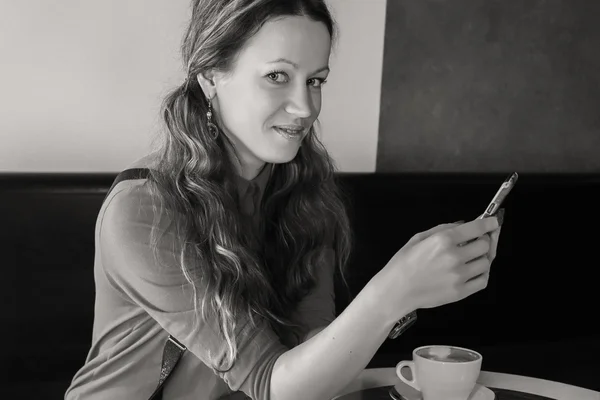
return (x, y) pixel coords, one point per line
(291, 129)
(290, 133)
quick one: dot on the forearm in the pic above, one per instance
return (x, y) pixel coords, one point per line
(328, 361)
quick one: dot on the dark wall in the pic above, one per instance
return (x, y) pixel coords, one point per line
(491, 85)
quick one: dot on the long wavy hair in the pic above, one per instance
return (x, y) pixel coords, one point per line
(234, 277)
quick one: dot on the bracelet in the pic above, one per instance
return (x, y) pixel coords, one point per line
(403, 324)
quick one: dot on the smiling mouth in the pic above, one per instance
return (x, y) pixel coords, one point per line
(291, 134)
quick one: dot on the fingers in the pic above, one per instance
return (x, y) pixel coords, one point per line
(475, 248)
(419, 237)
(473, 229)
(474, 269)
(494, 238)
(476, 275)
(478, 282)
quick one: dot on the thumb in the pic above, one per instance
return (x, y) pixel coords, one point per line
(419, 237)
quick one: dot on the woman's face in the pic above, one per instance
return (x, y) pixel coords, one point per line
(269, 100)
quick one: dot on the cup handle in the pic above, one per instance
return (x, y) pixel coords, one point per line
(411, 366)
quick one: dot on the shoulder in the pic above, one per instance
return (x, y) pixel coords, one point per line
(138, 240)
(134, 199)
(134, 209)
(129, 215)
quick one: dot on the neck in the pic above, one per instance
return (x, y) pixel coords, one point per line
(247, 169)
(250, 172)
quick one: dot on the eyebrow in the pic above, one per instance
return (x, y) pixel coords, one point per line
(293, 64)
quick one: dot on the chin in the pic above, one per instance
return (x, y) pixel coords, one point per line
(281, 157)
(280, 150)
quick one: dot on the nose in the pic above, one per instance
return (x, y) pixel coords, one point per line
(300, 102)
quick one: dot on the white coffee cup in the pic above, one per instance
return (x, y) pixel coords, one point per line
(442, 372)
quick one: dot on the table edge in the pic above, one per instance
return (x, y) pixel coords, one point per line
(377, 377)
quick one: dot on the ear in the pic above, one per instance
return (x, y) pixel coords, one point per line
(207, 82)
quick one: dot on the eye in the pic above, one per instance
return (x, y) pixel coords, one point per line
(275, 77)
(317, 82)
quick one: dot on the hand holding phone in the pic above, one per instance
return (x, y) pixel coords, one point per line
(491, 210)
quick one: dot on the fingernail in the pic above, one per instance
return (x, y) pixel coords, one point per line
(500, 216)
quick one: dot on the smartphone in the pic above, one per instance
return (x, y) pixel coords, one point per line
(498, 199)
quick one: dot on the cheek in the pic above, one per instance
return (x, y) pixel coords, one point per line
(266, 104)
(236, 106)
(316, 100)
(251, 106)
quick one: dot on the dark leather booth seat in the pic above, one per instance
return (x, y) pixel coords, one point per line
(538, 316)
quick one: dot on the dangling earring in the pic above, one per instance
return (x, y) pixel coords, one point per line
(212, 128)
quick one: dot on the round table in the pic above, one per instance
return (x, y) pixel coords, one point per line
(375, 383)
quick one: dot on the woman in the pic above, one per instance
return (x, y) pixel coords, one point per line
(230, 244)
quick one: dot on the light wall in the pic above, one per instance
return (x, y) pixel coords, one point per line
(81, 82)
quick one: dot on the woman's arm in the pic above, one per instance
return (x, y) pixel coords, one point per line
(265, 368)
(154, 282)
(317, 309)
(327, 362)
(312, 333)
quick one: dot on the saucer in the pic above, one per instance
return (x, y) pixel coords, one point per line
(404, 392)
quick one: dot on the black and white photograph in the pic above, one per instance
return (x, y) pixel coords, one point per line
(300, 199)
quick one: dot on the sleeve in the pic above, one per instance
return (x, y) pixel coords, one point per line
(317, 309)
(159, 287)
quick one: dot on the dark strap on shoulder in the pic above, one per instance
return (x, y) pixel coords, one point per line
(173, 350)
(172, 353)
(128, 174)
